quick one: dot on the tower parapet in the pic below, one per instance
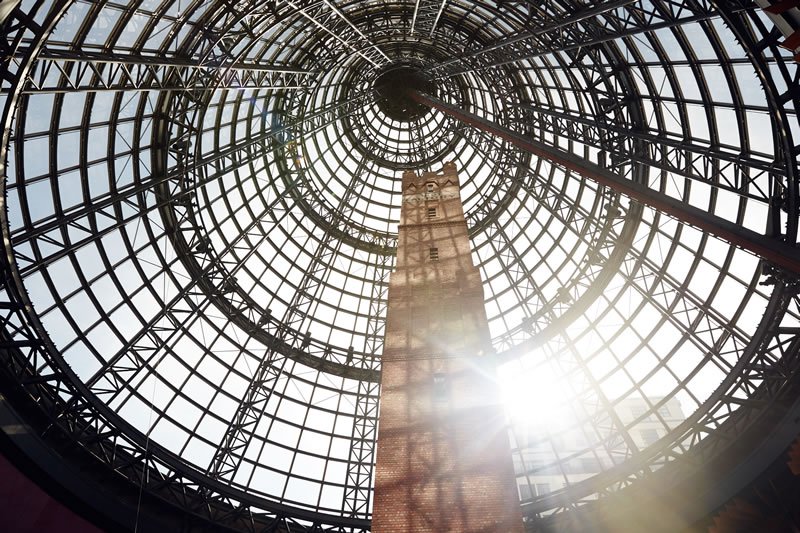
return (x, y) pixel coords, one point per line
(449, 173)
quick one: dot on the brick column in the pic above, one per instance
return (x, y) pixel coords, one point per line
(443, 458)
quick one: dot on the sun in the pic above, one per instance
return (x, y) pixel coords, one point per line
(535, 397)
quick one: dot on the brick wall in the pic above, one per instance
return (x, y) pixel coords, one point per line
(443, 458)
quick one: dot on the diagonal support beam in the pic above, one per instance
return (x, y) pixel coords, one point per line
(770, 248)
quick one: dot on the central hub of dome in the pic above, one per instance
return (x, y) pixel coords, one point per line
(393, 86)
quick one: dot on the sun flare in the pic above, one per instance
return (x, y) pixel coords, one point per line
(535, 396)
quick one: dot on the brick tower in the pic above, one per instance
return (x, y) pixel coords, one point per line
(443, 460)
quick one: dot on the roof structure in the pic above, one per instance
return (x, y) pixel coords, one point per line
(200, 217)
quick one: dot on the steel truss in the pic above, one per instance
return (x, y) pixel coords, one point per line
(94, 427)
(774, 250)
(361, 463)
(750, 176)
(606, 23)
(251, 410)
(308, 65)
(68, 72)
(341, 30)
(361, 460)
(219, 270)
(427, 14)
(759, 356)
(753, 382)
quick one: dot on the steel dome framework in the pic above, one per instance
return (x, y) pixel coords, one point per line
(200, 220)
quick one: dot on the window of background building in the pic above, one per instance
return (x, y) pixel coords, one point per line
(649, 436)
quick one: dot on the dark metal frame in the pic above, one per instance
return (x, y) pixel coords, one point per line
(209, 107)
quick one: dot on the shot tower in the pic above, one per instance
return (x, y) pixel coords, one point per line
(443, 461)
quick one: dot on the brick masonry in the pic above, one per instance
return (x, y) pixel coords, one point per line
(443, 458)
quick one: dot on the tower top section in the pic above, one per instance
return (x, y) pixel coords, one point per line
(432, 198)
(413, 182)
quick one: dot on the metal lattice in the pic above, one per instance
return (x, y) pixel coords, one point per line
(200, 218)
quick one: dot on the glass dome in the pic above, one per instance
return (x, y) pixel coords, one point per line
(201, 205)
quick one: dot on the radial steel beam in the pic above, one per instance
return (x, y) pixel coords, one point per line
(521, 38)
(770, 248)
(252, 408)
(566, 36)
(328, 18)
(426, 16)
(361, 36)
(67, 71)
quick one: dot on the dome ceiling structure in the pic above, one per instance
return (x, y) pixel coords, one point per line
(201, 205)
